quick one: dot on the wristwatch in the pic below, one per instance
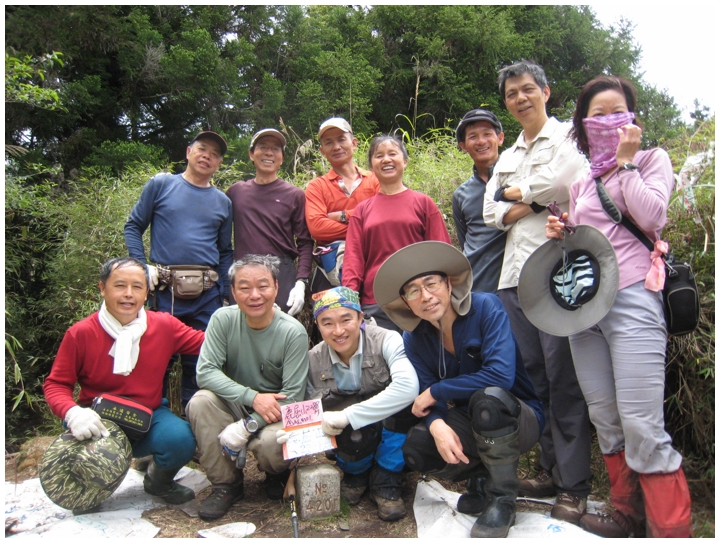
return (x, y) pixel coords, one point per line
(343, 217)
(629, 166)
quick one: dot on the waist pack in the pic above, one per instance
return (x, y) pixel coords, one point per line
(133, 417)
(331, 261)
(187, 282)
(680, 298)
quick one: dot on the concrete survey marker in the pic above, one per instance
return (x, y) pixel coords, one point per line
(318, 491)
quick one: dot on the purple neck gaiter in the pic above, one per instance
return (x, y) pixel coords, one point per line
(603, 140)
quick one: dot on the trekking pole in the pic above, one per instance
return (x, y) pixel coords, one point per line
(290, 495)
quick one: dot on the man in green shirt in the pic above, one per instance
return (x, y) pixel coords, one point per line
(254, 359)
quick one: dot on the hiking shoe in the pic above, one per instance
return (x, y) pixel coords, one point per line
(386, 493)
(275, 484)
(219, 501)
(539, 487)
(569, 507)
(353, 486)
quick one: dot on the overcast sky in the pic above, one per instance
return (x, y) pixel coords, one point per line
(678, 44)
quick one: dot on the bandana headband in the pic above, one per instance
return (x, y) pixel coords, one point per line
(334, 298)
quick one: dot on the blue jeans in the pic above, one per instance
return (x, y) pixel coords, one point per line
(170, 440)
(388, 455)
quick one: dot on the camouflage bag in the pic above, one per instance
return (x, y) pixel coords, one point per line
(80, 475)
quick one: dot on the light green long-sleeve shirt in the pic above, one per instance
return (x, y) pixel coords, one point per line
(237, 362)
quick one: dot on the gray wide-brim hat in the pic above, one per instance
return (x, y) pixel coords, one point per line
(539, 298)
(418, 259)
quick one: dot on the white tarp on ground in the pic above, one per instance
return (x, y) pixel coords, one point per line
(32, 514)
(437, 517)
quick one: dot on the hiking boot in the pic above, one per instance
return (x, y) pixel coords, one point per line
(353, 486)
(219, 501)
(386, 493)
(159, 482)
(569, 507)
(613, 525)
(275, 484)
(539, 487)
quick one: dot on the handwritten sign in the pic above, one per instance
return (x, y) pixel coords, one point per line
(303, 423)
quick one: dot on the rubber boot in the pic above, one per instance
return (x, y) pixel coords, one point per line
(500, 455)
(473, 501)
(667, 504)
(159, 482)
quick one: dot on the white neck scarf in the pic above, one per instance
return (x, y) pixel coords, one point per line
(126, 348)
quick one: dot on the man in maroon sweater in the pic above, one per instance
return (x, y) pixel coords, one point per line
(123, 350)
(269, 219)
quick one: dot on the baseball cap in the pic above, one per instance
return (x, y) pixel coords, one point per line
(473, 116)
(334, 122)
(268, 132)
(217, 138)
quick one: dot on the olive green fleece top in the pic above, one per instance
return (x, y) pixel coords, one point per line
(237, 362)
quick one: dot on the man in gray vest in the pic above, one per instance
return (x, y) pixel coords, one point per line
(364, 379)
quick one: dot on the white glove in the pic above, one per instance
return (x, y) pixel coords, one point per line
(153, 276)
(296, 300)
(84, 423)
(282, 437)
(235, 436)
(334, 422)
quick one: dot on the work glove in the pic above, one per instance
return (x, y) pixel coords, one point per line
(153, 277)
(296, 300)
(282, 437)
(84, 423)
(234, 437)
(334, 422)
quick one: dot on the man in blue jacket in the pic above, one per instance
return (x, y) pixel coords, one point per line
(481, 411)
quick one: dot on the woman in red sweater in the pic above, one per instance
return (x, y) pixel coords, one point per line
(392, 219)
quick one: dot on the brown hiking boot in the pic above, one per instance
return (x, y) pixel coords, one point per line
(539, 487)
(220, 500)
(386, 493)
(569, 507)
(353, 486)
(613, 525)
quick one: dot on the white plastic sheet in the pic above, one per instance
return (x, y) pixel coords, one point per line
(34, 515)
(232, 530)
(437, 516)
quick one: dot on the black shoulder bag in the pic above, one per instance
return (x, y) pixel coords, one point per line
(680, 294)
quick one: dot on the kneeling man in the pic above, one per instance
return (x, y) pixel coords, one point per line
(254, 359)
(123, 350)
(481, 411)
(363, 377)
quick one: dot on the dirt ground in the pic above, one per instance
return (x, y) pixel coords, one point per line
(272, 518)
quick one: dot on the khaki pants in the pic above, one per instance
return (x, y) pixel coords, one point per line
(209, 415)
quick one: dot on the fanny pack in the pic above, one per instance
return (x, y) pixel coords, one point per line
(330, 261)
(133, 417)
(187, 282)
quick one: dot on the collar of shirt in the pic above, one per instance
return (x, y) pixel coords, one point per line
(333, 176)
(545, 132)
(348, 377)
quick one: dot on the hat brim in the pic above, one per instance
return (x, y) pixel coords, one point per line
(268, 132)
(217, 138)
(534, 294)
(414, 260)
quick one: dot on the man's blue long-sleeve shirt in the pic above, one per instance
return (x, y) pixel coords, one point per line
(189, 225)
(486, 355)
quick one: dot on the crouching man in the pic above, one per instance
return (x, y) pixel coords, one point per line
(124, 351)
(481, 411)
(254, 359)
(363, 377)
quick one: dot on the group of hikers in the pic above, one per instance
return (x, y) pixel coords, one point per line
(469, 386)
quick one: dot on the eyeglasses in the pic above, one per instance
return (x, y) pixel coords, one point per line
(273, 148)
(554, 209)
(432, 286)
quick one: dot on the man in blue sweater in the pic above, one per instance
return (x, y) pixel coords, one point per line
(191, 234)
(481, 411)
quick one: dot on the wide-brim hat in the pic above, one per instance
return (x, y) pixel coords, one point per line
(590, 284)
(268, 132)
(80, 475)
(418, 259)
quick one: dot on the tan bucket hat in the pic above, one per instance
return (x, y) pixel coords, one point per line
(562, 303)
(420, 259)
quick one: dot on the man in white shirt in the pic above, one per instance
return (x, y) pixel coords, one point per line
(364, 379)
(536, 171)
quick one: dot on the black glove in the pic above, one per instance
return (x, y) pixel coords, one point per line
(537, 208)
(500, 195)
